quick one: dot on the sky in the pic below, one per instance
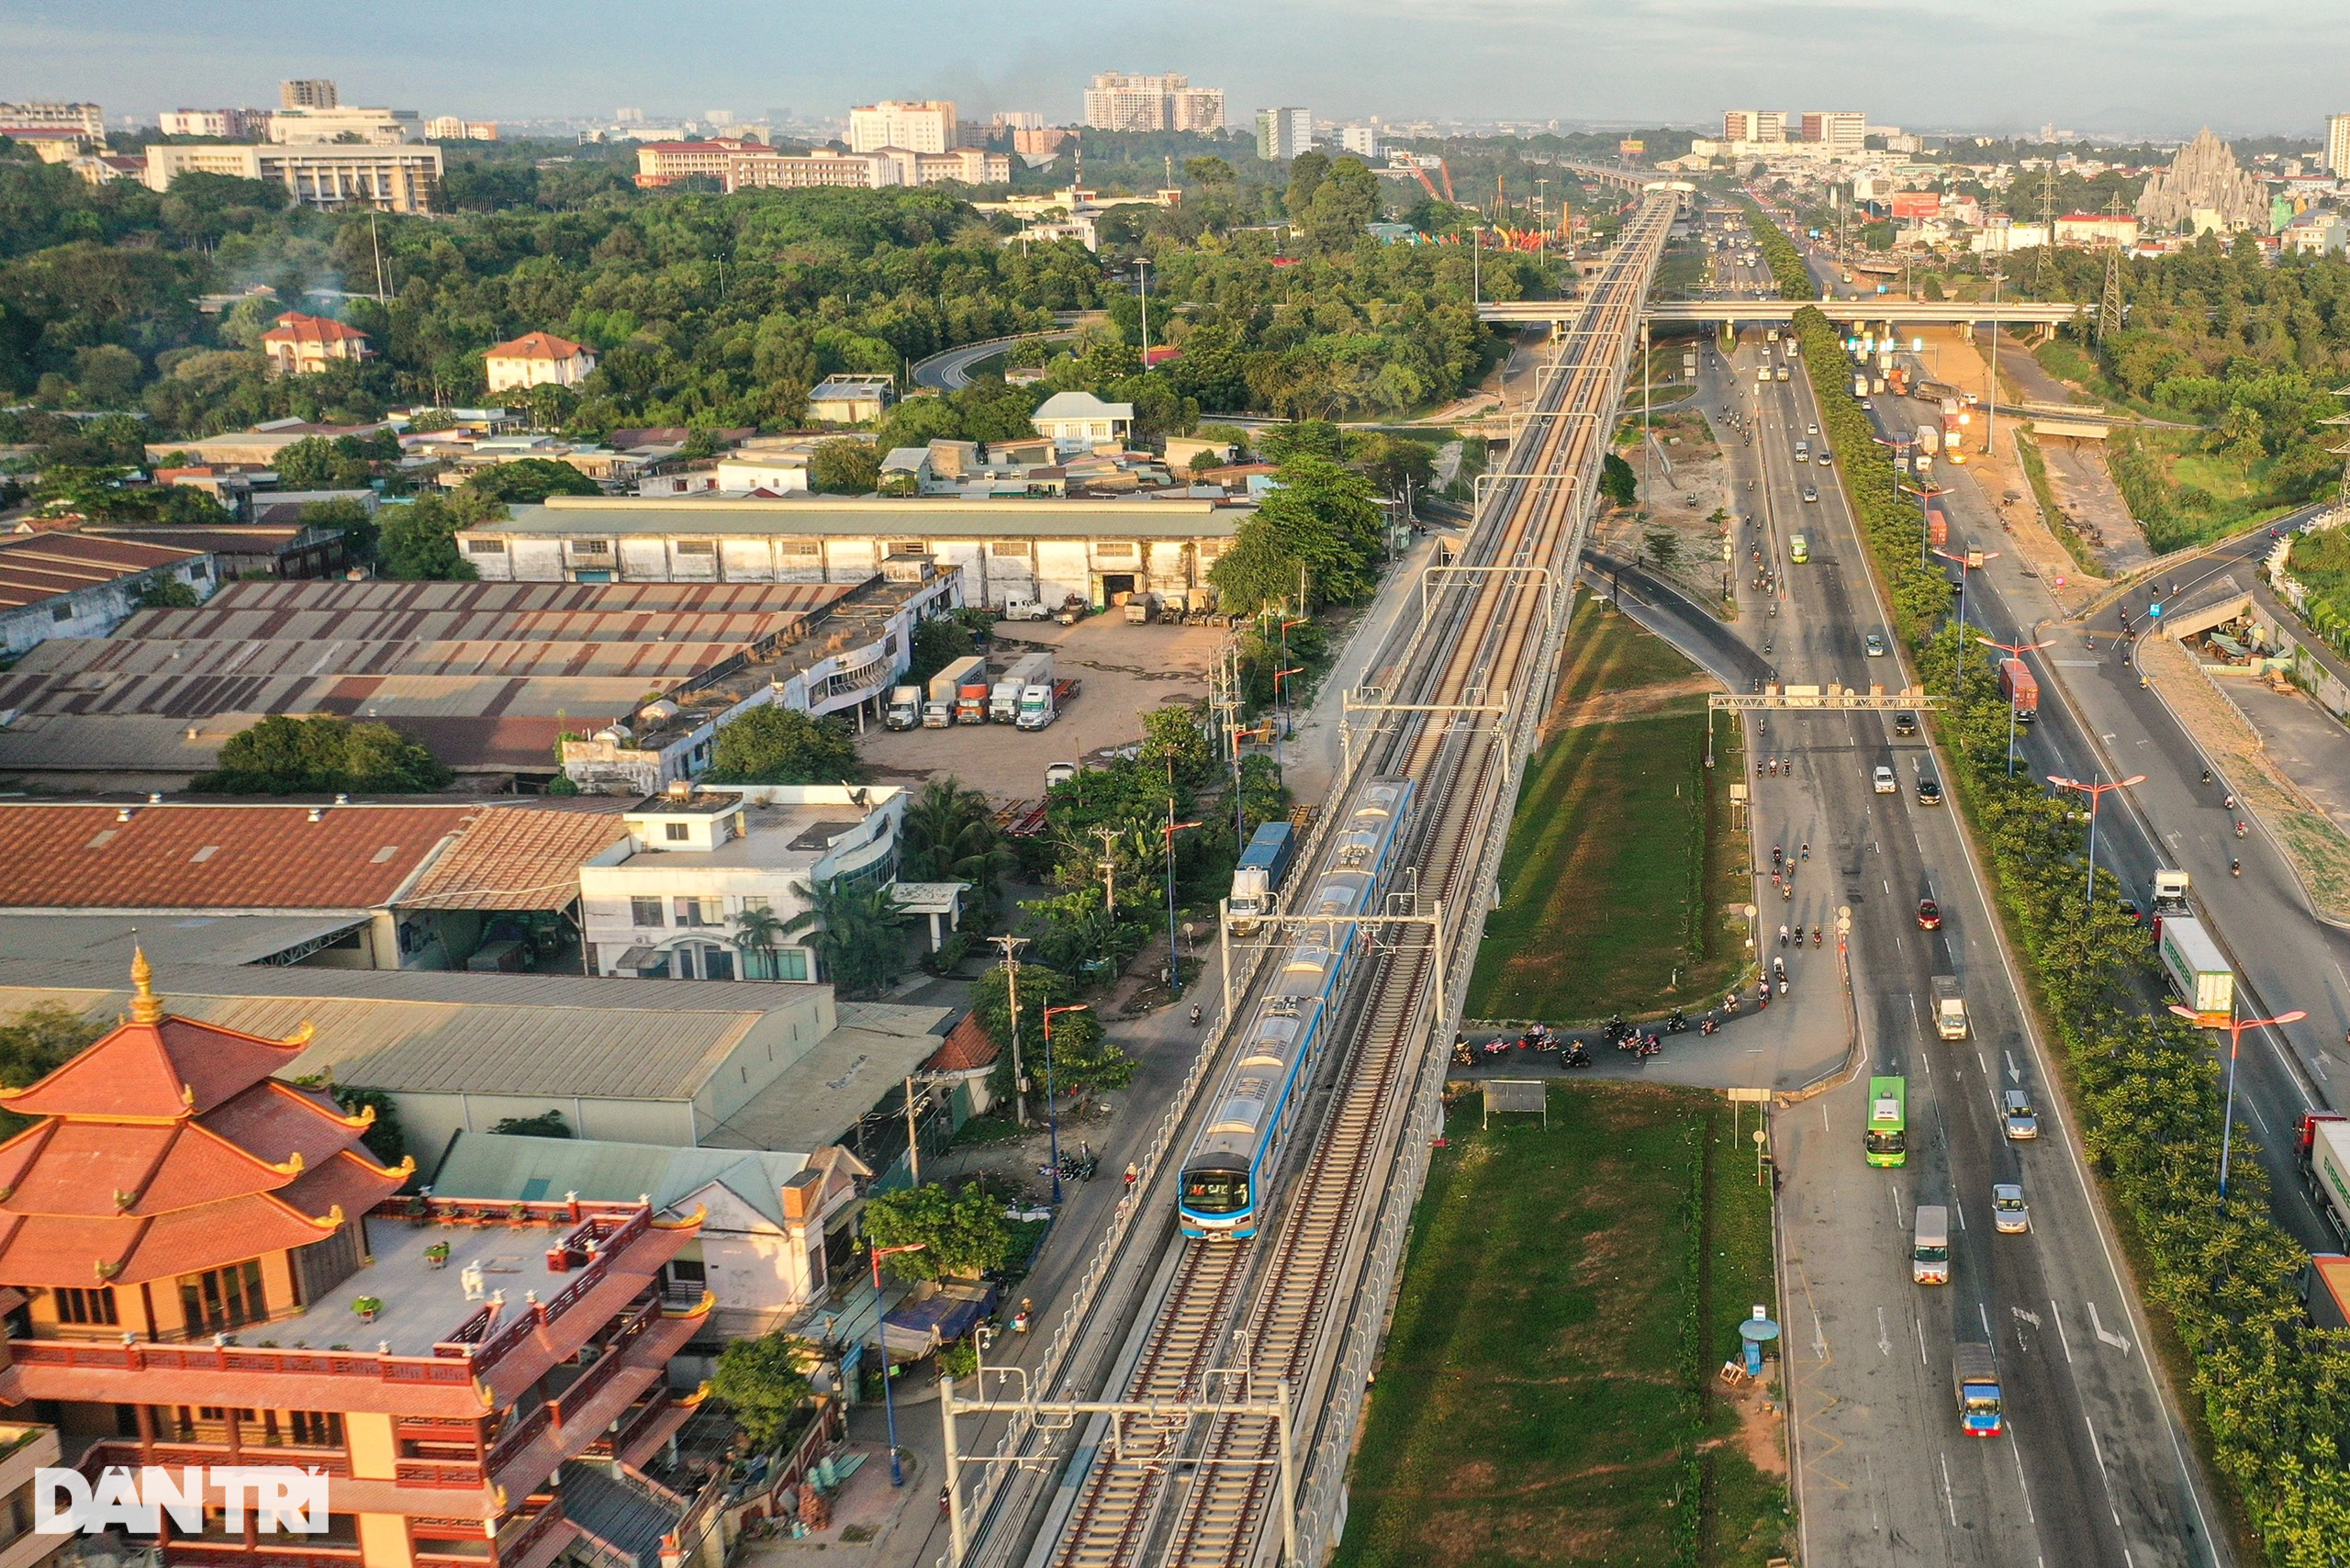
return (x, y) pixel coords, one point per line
(2150, 67)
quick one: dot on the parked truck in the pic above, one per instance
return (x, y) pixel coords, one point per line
(905, 708)
(1257, 879)
(2023, 692)
(945, 688)
(1950, 1008)
(1020, 606)
(971, 697)
(1975, 1374)
(1042, 702)
(2324, 1156)
(1142, 608)
(2198, 973)
(1027, 670)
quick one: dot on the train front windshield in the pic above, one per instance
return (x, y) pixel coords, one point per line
(1215, 1191)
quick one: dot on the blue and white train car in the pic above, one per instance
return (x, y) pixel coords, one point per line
(1233, 1161)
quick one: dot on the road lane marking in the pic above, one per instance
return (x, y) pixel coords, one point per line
(1883, 1340)
(2029, 1518)
(1948, 1500)
(1983, 1063)
(1921, 1340)
(2015, 1074)
(2116, 1341)
(2062, 1337)
(1983, 1309)
(1961, 1208)
(1893, 1191)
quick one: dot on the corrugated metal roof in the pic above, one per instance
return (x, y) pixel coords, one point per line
(832, 517)
(508, 1167)
(193, 939)
(666, 658)
(518, 858)
(43, 565)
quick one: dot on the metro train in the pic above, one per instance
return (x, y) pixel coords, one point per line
(1232, 1163)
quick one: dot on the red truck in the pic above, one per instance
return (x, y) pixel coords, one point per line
(1937, 526)
(2020, 689)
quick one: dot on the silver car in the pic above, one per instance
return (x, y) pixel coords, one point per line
(2007, 1210)
(2015, 1110)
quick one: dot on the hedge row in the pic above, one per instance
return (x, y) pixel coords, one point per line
(1786, 264)
(2274, 1395)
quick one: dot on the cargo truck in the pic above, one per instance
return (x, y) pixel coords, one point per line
(2198, 973)
(1930, 1251)
(2325, 1291)
(905, 708)
(971, 699)
(1896, 381)
(1950, 1008)
(1937, 524)
(1929, 439)
(2020, 690)
(1040, 703)
(1859, 387)
(1027, 670)
(1142, 608)
(2324, 1156)
(946, 683)
(1975, 1372)
(1257, 878)
(2170, 893)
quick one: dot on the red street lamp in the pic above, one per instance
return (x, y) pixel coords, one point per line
(1280, 677)
(1052, 1110)
(888, 1405)
(2235, 1027)
(1174, 954)
(2096, 792)
(2017, 651)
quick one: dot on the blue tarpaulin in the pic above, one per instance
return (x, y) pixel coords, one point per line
(918, 1327)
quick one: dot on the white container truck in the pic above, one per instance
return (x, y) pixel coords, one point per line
(2198, 973)
(1950, 1008)
(1929, 439)
(2324, 1156)
(905, 708)
(1027, 670)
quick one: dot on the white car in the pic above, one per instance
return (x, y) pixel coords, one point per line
(1811, 429)
(2008, 1211)
(1884, 782)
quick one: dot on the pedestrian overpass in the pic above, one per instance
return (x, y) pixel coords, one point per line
(1564, 313)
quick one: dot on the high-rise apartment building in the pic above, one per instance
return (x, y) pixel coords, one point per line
(1121, 100)
(1837, 128)
(1282, 134)
(83, 117)
(1754, 125)
(311, 93)
(2337, 144)
(926, 127)
(1362, 140)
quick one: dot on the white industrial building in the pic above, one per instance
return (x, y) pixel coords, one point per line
(1006, 548)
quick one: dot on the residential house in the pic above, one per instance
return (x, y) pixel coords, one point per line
(301, 345)
(537, 359)
(1079, 421)
(852, 399)
(905, 471)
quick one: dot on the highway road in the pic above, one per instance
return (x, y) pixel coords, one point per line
(2093, 1470)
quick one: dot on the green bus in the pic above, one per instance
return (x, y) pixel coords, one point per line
(1888, 1136)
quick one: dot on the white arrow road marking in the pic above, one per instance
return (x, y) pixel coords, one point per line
(2116, 1341)
(2015, 1073)
(1884, 1342)
(2030, 1317)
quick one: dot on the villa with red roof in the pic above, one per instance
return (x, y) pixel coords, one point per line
(537, 359)
(202, 1264)
(300, 345)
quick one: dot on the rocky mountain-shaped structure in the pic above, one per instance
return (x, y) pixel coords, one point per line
(2204, 176)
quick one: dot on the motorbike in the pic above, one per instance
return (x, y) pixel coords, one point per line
(1677, 1024)
(1461, 1054)
(2240, 830)
(1647, 1048)
(1496, 1048)
(1707, 1026)
(1196, 1013)
(1577, 1055)
(1815, 937)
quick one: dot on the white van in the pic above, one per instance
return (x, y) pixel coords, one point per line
(1929, 1254)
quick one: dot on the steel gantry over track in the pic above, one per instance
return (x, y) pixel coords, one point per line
(1304, 1304)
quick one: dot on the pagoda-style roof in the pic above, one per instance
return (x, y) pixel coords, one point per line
(166, 1149)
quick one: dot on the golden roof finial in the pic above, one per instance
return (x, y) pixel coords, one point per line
(146, 1007)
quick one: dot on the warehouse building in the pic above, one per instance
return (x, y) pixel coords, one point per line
(1102, 551)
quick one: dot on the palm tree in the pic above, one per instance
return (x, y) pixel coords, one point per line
(951, 836)
(758, 931)
(855, 933)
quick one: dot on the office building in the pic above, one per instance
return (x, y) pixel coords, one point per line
(870, 171)
(389, 179)
(83, 117)
(2337, 145)
(1754, 125)
(1836, 127)
(928, 127)
(314, 92)
(1362, 140)
(660, 163)
(1017, 120)
(220, 125)
(347, 125)
(1282, 134)
(456, 128)
(1120, 100)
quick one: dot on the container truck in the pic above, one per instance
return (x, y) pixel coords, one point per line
(2198, 973)
(1257, 878)
(1040, 703)
(1975, 1372)
(1027, 670)
(1929, 439)
(905, 708)
(2325, 1291)
(2324, 1156)
(2170, 893)
(949, 682)
(1937, 526)
(2020, 690)
(971, 699)
(1950, 1008)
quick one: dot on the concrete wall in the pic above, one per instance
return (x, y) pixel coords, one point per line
(96, 610)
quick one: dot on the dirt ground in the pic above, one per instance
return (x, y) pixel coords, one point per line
(1127, 670)
(1683, 499)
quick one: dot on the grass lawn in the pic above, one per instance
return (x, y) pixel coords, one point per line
(2208, 496)
(1622, 864)
(1546, 1395)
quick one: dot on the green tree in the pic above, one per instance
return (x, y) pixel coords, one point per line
(1307, 172)
(1322, 517)
(961, 1235)
(36, 1043)
(418, 540)
(530, 480)
(764, 1382)
(855, 932)
(384, 1138)
(314, 462)
(775, 744)
(347, 515)
(1175, 735)
(1663, 546)
(546, 1123)
(107, 376)
(167, 593)
(939, 641)
(758, 931)
(1618, 481)
(844, 466)
(321, 755)
(1343, 206)
(950, 837)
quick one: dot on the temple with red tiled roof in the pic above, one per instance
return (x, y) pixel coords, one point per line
(201, 1264)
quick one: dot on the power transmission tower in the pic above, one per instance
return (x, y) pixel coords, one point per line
(2342, 495)
(2047, 219)
(2108, 304)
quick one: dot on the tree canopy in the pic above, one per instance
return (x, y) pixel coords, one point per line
(775, 744)
(962, 1233)
(322, 754)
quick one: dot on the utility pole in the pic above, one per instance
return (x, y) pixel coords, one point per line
(1109, 835)
(1011, 945)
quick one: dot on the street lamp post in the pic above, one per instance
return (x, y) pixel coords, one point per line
(1967, 561)
(1052, 1109)
(2096, 792)
(1174, 953)
(889, 1405)
(2016, 651)
(2235, 1027)
(1142, 270)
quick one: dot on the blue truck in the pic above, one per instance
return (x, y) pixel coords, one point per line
(1257, 881)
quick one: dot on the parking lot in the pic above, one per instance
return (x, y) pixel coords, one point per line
(1128, 671)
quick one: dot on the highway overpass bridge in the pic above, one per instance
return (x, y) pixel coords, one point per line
(1564, 313)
